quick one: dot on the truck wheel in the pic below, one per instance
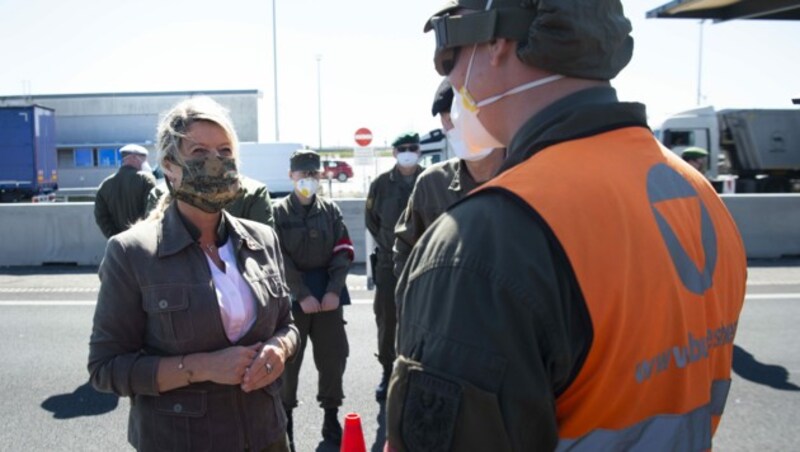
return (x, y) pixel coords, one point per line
(342, 177)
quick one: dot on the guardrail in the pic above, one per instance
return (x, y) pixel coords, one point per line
(36, 234)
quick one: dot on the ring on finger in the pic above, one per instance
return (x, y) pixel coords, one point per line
(269, 367)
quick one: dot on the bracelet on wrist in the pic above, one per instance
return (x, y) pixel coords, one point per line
(182, 368)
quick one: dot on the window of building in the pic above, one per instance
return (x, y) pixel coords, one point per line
(66, 158)
(107, 157)
(84, 157)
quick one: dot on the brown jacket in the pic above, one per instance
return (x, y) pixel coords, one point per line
(157, 299)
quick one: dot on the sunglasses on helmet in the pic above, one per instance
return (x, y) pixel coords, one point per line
(454, 31)
(407, 148)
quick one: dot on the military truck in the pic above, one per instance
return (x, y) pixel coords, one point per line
(758, 148)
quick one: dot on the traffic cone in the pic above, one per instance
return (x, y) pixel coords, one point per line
(353, 437)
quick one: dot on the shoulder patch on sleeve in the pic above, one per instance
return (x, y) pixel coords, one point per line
(430, 411)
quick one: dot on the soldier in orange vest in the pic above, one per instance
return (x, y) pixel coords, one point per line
(586, 298)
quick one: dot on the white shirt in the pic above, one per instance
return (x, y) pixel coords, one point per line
(236, 302)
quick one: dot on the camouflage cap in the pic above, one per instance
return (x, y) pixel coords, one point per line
(406, 138)
(304, 160)
(694, 152)
(443, 98)
(576, 38)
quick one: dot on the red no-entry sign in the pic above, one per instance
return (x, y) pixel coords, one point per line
(363, 136)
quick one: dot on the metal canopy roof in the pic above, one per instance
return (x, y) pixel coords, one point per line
(722, 10)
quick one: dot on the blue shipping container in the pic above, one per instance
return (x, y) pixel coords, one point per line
(27, 152)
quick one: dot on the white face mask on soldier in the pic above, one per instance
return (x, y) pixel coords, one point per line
(407, 159)
(464, 112)
(456, 143)
(307, 187)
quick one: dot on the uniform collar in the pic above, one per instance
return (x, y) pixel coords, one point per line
(178, 233)
(396, 176)
(581, 114)
(461, 173)
(299, 209)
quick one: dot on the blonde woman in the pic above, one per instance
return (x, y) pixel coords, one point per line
(193, 320)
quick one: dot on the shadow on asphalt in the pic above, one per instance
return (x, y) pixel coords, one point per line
(84, 401)
(746, 366)
(380, 435)
(60, 269)
(789, 261)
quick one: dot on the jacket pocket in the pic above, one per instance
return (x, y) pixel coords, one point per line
(276, 287)
(169, 316)
(180, 421)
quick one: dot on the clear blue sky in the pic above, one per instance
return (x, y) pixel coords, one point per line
(376, 68)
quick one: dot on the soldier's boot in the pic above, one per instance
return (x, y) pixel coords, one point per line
(331, 428)
(290, 428)
(383, 387)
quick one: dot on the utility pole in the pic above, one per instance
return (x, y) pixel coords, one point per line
(275, 68)
(319, 99)
(700, 65)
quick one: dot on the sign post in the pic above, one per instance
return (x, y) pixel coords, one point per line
(364, 155)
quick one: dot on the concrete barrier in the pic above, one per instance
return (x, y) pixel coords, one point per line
(36, 234)
(769, 224)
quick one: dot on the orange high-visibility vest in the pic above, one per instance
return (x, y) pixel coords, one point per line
(662, 270)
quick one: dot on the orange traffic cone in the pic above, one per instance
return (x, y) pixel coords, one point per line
(353, 437)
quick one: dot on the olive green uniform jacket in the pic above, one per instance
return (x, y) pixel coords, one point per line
(308, 238)
(492, 325)
(436, 189)
(253, 203)
(157, 299)
(387, 198)
(121, 199)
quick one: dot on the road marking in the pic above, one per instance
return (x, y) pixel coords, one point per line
(48, 289)
(772, 296)
(48, 303)
(94, 302)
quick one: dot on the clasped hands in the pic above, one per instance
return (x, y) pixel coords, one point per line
(310, 304)
(252, 367)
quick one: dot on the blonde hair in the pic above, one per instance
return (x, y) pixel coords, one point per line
(172, 131)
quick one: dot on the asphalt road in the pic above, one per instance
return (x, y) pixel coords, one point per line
(45, 320)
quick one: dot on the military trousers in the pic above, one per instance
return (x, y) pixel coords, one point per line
(385, 314)
(326, 331)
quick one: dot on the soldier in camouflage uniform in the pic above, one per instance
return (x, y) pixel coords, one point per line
(388, 196)
(317, 255)
(442, 184)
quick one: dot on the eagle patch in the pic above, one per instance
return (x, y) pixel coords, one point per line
(429, 412)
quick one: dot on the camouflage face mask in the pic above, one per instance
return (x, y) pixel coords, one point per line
(209, 184)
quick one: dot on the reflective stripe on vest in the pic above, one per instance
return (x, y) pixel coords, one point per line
(690, 431)
(662, 271)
